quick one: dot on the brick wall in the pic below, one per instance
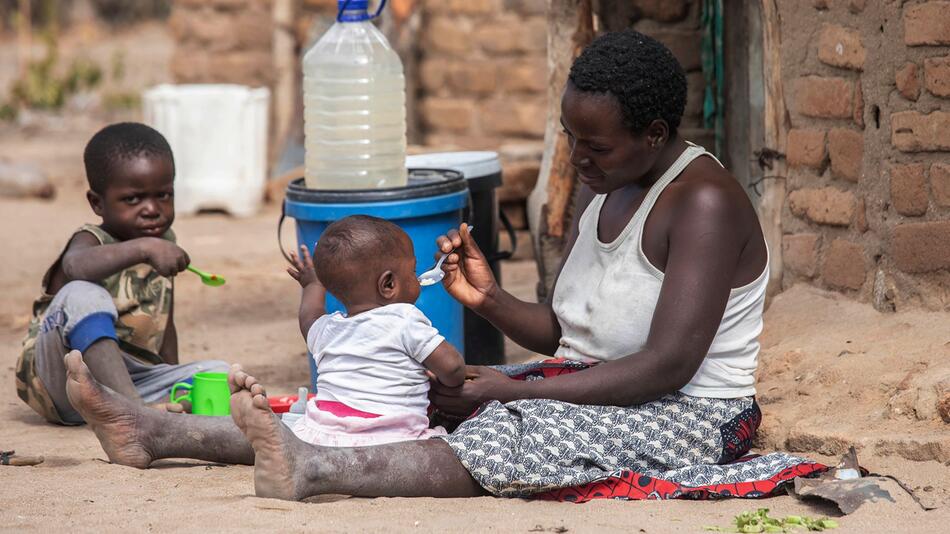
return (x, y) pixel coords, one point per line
(223, 41)
(483, 71)
(868, 209)
(231, 41)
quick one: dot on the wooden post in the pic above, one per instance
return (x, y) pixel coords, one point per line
(285, 67)
(570, 29)
(24, 31)
(401, 27)
(776, 132)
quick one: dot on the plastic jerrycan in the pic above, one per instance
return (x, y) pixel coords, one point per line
(354, 105)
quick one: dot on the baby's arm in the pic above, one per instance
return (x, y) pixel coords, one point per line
(86, 259)
(447, 365)
(313, 298)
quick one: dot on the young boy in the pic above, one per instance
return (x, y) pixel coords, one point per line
(375, 361)
(109, 294)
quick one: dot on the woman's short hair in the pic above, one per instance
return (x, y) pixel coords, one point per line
(640, 72)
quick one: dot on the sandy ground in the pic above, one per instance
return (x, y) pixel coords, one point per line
(835, 373)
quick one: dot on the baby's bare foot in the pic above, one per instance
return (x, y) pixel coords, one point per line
(114, 418)
(272, 441)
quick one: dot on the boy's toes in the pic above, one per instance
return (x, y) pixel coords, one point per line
(233, 382)
(260, 402)
(74, 364)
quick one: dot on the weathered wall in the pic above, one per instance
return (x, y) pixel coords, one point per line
(483, 71)
(223, 41)
(868, 209)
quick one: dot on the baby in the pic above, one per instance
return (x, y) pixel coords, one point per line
(374, 361)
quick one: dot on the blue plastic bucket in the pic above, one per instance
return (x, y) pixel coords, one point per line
(431, 204)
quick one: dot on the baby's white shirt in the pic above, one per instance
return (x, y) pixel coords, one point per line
(373, 360)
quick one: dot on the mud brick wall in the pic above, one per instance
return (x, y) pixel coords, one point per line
(223, 41)
(231, 41)
(868, 90)
(483, 71)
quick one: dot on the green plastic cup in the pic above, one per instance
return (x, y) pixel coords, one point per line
(208, 394)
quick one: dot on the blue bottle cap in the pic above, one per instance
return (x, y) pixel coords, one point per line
(352, 5)
(356, 10)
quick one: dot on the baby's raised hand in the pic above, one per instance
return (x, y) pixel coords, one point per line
(302, 270)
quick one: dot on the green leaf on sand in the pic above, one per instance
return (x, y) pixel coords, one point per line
(759, 521)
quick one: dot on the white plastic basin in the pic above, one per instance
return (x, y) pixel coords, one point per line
(218, 134)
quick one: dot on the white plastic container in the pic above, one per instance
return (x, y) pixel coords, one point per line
(218, 134)
(297, 409)
(354, 106)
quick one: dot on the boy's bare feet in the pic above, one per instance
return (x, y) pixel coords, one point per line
(274, 444)
(114, 418)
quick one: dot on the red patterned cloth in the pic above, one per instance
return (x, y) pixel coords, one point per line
(634, 486)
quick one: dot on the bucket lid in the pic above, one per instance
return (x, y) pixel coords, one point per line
(481, 169)
(422, 183)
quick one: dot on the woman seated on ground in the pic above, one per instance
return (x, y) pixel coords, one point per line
(656, 315)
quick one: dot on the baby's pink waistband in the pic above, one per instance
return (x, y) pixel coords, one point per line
(341, 410)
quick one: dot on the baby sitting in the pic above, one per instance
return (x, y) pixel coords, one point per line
(372, 361)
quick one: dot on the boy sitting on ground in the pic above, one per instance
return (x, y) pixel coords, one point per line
(374, 362)
(110, 294)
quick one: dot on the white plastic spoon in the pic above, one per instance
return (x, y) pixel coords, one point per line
(436, 274)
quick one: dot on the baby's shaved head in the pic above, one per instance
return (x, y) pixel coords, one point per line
(356, 250)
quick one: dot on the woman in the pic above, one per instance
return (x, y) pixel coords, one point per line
(662, 288)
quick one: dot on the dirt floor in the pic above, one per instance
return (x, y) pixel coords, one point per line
(834, 373)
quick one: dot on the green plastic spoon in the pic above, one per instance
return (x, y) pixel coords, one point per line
(208, 279)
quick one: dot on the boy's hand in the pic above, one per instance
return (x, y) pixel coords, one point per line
(302, 270)
(165, 257)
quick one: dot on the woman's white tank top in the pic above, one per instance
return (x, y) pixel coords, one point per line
(607, 292)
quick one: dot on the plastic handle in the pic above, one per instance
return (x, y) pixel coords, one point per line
(181, 385)
(382, 4)
(280, 227)
(512, 236)
(339, 15)
(280, 242)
